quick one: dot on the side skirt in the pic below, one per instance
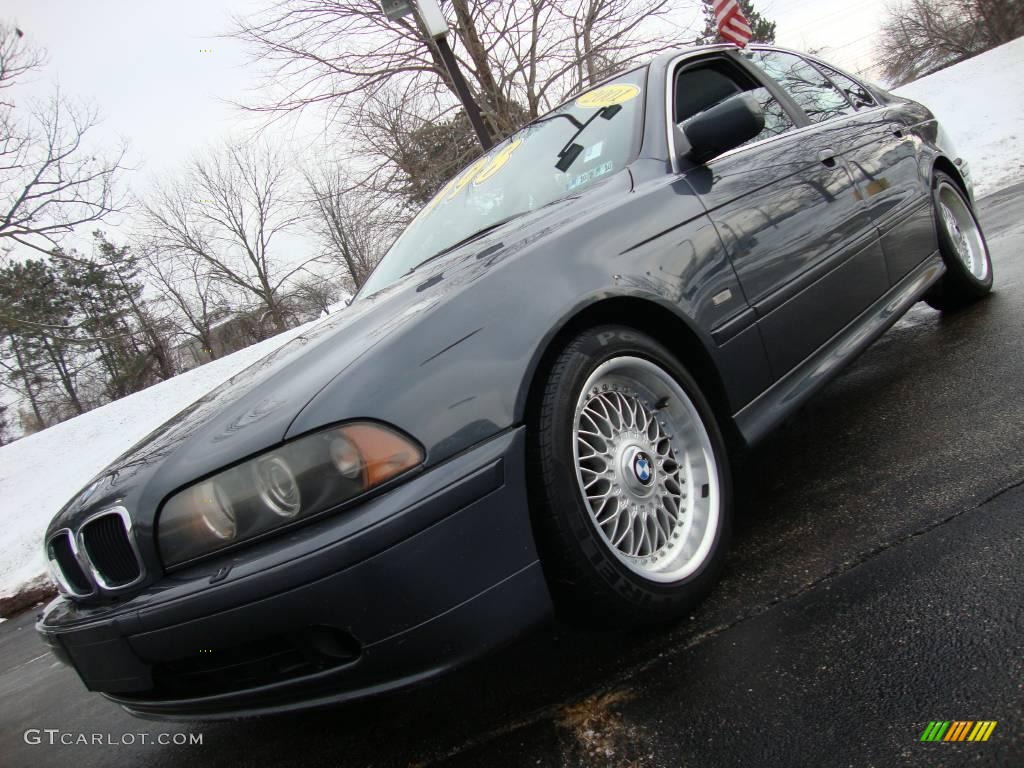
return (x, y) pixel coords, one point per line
(786, 395)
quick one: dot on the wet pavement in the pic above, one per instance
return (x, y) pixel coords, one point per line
(875, 584)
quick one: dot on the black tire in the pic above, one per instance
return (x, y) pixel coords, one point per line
(960, 285)
(590, 583)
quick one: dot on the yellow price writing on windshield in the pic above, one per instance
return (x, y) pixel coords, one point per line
(608, 95)
(496, 163)
(477, 174)
(467, 176)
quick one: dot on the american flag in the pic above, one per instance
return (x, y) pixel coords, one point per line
(732, 24)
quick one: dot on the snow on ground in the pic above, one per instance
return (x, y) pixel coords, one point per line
(980, 103)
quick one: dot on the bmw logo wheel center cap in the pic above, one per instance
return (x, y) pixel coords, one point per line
(638, 471)
(642, 468)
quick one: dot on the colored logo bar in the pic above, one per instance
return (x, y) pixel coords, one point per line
(958, 730)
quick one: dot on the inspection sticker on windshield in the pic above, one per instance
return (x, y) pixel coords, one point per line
(590, 175)
(594, 152)
(608, 95)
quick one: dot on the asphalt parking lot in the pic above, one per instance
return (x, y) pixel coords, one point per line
(875, 584)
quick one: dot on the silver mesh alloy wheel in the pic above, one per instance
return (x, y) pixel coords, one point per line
(646, 469)
(959, 223)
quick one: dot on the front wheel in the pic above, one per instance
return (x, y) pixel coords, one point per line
(962, 246)
(631, 481)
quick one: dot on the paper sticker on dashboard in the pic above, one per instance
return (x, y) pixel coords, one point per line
(594, 152)
(593, 173)
(608, 95)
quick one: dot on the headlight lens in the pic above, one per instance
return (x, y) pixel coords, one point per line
(278, 488)
(296, 480)
(346, 458)
(215, 510)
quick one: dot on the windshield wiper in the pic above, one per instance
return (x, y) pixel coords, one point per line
(557, 116)
(571, 150)
(467, 239)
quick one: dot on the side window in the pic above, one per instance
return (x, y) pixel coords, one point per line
(698, 88)
(858, 95)
(808, 87)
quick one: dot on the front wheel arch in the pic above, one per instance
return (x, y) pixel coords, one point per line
(944, 165)
(659, 323)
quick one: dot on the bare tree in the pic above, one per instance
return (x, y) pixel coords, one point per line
(386, 83)
(228, 208)
(354, 225)
(50, 181)
(315, 294)
(188, 285)
(923, 36)
(520, 57)
(420, 141)
(16, 58)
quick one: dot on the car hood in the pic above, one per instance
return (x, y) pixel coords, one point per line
(246, 414)
(253, 410)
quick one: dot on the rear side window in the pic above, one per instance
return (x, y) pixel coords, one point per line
(855, 92)
(700, 87)
(810, 89)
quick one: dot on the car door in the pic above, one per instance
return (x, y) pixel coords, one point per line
(788, 213)
(882, 150)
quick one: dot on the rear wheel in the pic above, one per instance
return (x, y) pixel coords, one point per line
(632, 490)
(962, 245)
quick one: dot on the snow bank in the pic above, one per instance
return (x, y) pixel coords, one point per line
(39, 473)
(980, 103)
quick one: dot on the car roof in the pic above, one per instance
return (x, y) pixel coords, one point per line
(665, 58)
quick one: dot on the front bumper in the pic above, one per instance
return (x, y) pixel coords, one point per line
(420, 580)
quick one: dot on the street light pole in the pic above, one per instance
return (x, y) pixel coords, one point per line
(431, 19)
(465, 96)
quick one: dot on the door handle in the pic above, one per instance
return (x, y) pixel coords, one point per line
(827, 158)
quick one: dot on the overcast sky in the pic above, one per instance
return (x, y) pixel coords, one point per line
(141, 64)
(145, 65)
(845, 32)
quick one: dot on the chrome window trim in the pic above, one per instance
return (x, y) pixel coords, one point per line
(669, 93)
(824, 68)
(58, 573)
(92, 571)
(818, 60)
(795, 132)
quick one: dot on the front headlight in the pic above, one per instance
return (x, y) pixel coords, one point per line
(296, 480)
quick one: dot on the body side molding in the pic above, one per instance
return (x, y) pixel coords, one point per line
(759, 417)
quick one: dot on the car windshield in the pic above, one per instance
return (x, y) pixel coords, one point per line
(584, 140)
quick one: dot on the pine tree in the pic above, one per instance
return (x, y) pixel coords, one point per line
(124, 275)
(763, 30)
(36, 320)
(105, 319)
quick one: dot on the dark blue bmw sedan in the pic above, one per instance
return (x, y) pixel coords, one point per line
(531, 407)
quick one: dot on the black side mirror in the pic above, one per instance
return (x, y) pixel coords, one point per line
(724, 126)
